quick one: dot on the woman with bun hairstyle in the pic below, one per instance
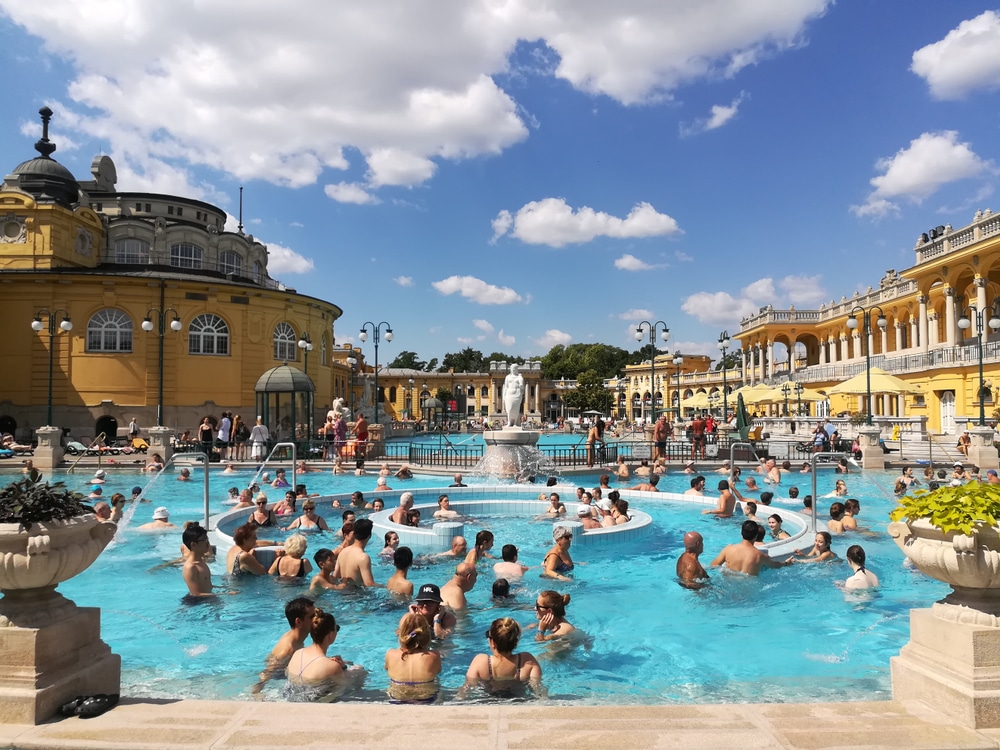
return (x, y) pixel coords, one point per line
(502, 672)
(550, 611)
(413, 668)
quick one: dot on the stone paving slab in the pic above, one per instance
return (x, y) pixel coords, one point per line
(217, 725)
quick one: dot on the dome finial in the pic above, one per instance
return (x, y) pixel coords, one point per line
(44, 146)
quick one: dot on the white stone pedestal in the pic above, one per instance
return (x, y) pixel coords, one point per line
(50, 652)
(982, 452)
(49, 453)
(159, 442)
(950, 665)
(872, 456)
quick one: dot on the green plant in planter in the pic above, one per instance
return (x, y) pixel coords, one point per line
(858, 418)
(963, 509)
(27, 502)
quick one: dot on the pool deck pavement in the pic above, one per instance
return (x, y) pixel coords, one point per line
(222, 725)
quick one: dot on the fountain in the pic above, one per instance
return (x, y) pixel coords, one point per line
(510, 451)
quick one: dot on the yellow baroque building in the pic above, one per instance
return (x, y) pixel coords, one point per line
(80, 255)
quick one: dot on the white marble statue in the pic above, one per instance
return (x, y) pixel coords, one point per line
(339, 408)
(513, 395)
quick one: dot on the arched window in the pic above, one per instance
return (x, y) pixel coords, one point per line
(208, 334)
(392, 394)
(285, 343)
(485, 392)
(230, 262)
(109, 330)
(322, 351)
(185, 255)
(131, 250)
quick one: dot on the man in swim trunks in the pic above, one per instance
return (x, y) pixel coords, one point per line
(453, 592)
(405, 503)
(354, 563)
(299, 613)
(197, 576)
(698, 437)
(649, 485)
(660, 437)
(745, 557)
(689, 570)
(727, 501)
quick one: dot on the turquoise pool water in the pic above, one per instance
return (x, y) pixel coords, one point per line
(788, 636)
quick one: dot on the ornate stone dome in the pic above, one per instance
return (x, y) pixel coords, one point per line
(43, 177)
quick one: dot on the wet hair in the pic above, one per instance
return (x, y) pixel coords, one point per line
(387, 535)
(505, 633)
(837, 511)
(551, 482)
(614, 495)
(192, 534)
(322, 555)
(483, 538)
(723, 485)
(766, 498)
(363, 529)
(402, 558)
(807, 501)
(509, 553)
(856, 555)
(234, 492)
(827, 537)
(296, 609)
(501, 588)
(414, 633)
(346, 513)
(243, 533)
(933, 486)
(296, 545)
(695, 481)
(942, 474)
(654, 479)
(555, 601)
(323, 625)
(752, 506)
(749, 531)
(761, 533)
(442, 498)
(300, 489)
(852, 505)
(793, 493)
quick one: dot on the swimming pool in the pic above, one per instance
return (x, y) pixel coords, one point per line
(788, 636)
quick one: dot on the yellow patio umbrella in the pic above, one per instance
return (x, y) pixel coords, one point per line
(697, 401)
(881, 382)
(777, 395)
(756, 394)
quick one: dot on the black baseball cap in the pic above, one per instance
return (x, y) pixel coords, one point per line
(429, 593)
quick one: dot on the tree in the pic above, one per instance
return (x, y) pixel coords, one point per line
(432, 365)
(730, 361)
(569, 361)
(590, 393)
(407, 361)
(467, 360)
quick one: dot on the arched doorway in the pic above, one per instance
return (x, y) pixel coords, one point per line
(109, 426)
(8, 425)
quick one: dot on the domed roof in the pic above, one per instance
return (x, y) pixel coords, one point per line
(284, 379)
(43, 177)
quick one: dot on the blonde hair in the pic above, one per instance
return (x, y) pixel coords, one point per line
(296, 545)
(414, 633)
(261, 496)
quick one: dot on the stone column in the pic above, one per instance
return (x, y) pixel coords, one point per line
(922, 299)
(981, 307)
(981, 452)
(884, 340)
(949, 316)
(822, 352)
(769, 372)
(49, 453)
(159, 442)
(872, 456)
(914, 335)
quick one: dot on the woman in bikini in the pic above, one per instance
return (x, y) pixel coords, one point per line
(550, 611)
(290, 564)
(413, 668)
(309, 520)
(557, 562)
(502, 672)
(310, 667)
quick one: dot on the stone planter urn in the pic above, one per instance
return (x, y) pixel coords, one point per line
(953, 657)
(50, 649)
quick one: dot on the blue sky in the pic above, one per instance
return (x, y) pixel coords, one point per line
(510, 175)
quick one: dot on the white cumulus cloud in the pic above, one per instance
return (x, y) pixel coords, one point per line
(505, 340)
(483, 325)
(553, 222)
(967, 59)
(722, 308)
(404, 280)
(803, 291)
(918, 171)
(629, 262)
(636, 314)
(283, 260)
(477, 290)
(718, 116)
(553, 337)
(350, 192)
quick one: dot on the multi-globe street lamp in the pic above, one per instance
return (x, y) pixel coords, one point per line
(147, 326)
(351, 362)
(678, 361)
(305, 344)
(37, 325)
(852, 323)
(665, 335)
(376, 329)
(974, 314)
(724, 342)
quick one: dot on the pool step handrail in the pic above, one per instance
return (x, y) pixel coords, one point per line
(170, 462)
(812, 470)
(79, 458)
